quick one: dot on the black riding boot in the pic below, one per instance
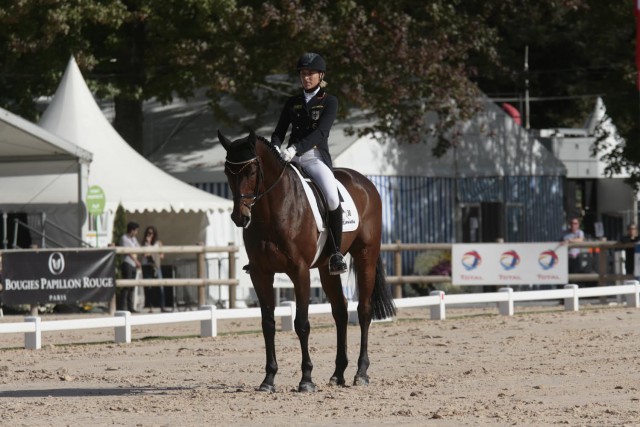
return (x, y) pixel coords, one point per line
(336, 262)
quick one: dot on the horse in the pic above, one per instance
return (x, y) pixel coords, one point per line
(280, 236)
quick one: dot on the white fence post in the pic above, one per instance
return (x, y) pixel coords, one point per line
(572, 303)
(353, 318)
(438, 312)
(633, 299)
(123, 333)
(288, 321)
(506, 307)
(209, 326)
(33, 340)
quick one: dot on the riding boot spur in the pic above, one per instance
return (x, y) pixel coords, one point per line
(337, 265)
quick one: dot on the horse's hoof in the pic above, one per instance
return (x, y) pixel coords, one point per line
(337, 381)
(361, 380)
(306, 387)
(266, 388)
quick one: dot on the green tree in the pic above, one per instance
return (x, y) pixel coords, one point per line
(394, 60)
(382, 60)
(130, 50)
(119, 225)
(36, 39)
(577, 50)
(160, 50)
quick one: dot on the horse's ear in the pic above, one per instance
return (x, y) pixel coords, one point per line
(224, 141)
(252, 138)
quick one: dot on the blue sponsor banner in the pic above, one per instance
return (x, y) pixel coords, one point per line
(509, 264)
(57, 276)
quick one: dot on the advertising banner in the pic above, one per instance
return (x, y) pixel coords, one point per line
(509, 264)
(57, 276)
(636, 261)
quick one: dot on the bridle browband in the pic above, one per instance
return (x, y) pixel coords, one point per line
(256, 195)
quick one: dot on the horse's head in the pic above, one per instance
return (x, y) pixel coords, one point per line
(241, 168)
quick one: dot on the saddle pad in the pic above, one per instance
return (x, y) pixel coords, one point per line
(350, 217)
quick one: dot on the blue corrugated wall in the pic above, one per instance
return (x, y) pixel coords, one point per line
(421, 209)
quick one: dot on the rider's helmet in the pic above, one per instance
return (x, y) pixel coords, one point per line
(311, 61)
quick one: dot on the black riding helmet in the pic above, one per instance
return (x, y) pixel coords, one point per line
(311, 61)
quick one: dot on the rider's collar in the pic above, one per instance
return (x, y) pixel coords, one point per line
(309, 95)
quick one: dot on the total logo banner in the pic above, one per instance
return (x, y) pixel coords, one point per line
(509, 264)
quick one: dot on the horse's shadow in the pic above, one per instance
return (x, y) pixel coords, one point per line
(110, 391)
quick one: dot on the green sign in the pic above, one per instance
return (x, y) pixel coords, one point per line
(95, 200)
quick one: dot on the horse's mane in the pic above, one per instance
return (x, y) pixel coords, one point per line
(274, 150)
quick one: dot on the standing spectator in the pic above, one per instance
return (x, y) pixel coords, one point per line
(129, 266)
(151, 269)
(630, 253)
(571, 235)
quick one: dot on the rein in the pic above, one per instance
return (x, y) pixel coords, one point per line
(256, 195)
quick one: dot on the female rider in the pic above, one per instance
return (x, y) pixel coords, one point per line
(311, 115)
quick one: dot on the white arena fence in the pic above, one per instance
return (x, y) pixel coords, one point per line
(122, 322)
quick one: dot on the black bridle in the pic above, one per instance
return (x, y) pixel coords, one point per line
(256, 195)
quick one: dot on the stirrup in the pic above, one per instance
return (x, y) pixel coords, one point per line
(337, 264)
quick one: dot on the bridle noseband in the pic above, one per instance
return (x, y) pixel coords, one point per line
(256, 195)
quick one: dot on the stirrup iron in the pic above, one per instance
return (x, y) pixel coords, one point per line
(337, 265)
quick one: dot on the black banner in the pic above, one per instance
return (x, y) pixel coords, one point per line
(58, 276)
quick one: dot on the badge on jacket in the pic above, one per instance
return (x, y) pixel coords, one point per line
(315, 113)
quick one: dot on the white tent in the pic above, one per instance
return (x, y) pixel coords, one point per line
(183, 214)
(31, 162)
(491, 143)
(125, 176)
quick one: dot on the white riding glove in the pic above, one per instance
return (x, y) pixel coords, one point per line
(289, 154)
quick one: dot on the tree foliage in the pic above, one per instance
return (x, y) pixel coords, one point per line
(393, 60)
(578, 50)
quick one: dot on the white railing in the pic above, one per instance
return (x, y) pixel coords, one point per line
(123, 321)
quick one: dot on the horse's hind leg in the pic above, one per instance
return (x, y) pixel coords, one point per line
(332, 287)
(365, 265)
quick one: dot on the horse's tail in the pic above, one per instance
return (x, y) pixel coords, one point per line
(382, 305)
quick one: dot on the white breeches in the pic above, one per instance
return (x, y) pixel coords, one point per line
(312, 163)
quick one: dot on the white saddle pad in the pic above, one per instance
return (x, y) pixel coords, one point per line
(350, 217)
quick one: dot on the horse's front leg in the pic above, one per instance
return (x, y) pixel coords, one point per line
(263, 285)
(269, 333)
(302, 283)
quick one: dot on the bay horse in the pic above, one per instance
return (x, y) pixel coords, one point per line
(280, 236)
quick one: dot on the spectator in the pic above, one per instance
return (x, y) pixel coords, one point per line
(629, 253)
(151, 269)
(571, 235)
(129, 267)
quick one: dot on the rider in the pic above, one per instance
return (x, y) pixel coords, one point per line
(311, 115)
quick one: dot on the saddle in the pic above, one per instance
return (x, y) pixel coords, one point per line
(350, 217)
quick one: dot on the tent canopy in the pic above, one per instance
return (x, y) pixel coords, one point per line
(182, 213)
(27, 149)
(124, 175)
